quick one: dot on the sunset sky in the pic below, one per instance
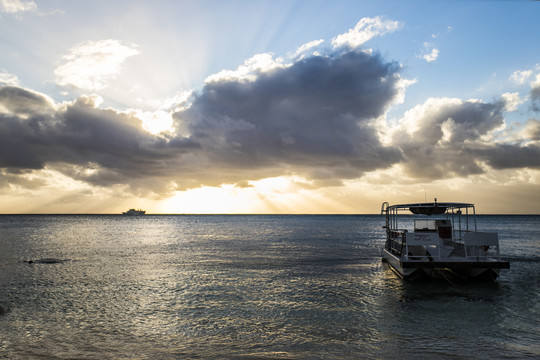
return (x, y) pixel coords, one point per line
(268, 106)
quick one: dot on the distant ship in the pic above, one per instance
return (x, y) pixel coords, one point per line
(134, 212)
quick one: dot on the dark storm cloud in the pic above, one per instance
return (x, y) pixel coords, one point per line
(316, 114)
(22, 117)
(78, 135)
(508, 156)
(101, 147)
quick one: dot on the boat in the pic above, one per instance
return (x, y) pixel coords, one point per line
(134, 212)
(431, 239)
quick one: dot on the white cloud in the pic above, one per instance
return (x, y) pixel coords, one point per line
(93, 101)
(521, 76)
(512, 101)
(177, 102)
(414, 119)
(302, 50)
(536, 82)
(429, 53)
(531, 131)
(259, 63)
(526, 133)
(365, 29)
(92, 64)
(432, 56)
(7, 78)
(17, 6)
(402, 86)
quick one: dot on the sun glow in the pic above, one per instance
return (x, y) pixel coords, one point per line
(225, 199)
(263, 196)
(279, 195)
(156, 122)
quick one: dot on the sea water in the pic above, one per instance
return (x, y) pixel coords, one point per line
(251, 287)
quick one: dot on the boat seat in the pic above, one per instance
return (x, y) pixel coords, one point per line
(445, 232)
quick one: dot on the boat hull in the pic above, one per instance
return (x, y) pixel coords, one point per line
(471, 270)
(404, 272)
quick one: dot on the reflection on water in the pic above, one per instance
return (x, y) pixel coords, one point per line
(247, 287)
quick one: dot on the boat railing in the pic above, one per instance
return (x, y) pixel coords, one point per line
(384, 207)
(396, 240)
(429, 246)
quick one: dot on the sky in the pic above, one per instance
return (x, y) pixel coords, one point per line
(268, 107)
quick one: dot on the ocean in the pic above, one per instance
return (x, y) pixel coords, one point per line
(251, 287)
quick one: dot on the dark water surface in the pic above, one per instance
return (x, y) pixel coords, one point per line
(249, 287)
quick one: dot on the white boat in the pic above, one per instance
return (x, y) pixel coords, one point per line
(134, 212)
(429, 239)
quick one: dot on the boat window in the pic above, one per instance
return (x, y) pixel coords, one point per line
(424, 225)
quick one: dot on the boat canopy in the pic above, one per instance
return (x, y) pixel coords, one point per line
(428, 210)
(431, 208)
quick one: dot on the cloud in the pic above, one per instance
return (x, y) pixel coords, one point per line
(448, 138)
(318, 117)
(7, 78)
(16, 101)
(531, 130)
(307, 47)
(511, 100)
(432, 56)
(437, 137)
(100, 147)
(365, 30)
(521, 76)
(155, 121)
(92, 64)
(511, 156)
(312, 117)
(247, 72)
(532, 76)
(17, 6)
(429, 53)
(535, 93)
